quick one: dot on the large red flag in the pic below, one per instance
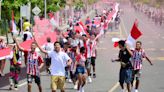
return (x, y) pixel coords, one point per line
(13, 25)
(134, 35)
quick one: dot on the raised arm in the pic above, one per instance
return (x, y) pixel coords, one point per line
(41, 49)
(130, 52)
(19, 47)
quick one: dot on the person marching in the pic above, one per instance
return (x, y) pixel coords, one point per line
(125, 75)
(86, 44)
(80, 69)
(48, 47)
(34, 64)
(15, 68)
(59, 60)
(93, 54)
(137, 60)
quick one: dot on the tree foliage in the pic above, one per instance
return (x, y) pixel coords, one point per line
(9, 5)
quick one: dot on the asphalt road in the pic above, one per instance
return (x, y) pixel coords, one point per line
(107, 72)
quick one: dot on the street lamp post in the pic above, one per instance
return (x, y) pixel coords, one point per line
(45, 8)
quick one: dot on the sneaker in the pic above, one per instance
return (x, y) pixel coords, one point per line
(133, 90)
(11, 87)
(75, 86)
(94, 75)
(15, 88)
(69, 80)
(122, 90)
(89, 79)
(82, 89)
(136, 90)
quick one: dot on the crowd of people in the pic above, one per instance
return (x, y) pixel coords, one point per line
(153, 13)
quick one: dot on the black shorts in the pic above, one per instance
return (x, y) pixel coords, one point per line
(31, 77)
(93, 60)
(88, 63)
(136, 74)
(48, 61)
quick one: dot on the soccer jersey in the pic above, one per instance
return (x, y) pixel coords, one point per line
(93, 48)
(81, 59)
(138, 56)
(87, 46)
(33, 62)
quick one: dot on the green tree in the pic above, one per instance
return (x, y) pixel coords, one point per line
(9, 5)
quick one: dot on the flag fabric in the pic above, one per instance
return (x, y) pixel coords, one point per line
(133, 36)
(5, 53)
(115, 41)
(82, 26)
(13, 25)
(52, 19)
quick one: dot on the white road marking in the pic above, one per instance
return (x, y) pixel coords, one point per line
(150, 49)
(114, 87)
(160, 58)
(162, 49)
(22, 84)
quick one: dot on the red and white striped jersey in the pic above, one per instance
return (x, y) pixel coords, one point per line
(138, 56)
(93, 48)
(33, 62)
(87, 46)
(81, 59)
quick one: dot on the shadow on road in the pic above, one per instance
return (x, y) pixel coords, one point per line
(4, 81)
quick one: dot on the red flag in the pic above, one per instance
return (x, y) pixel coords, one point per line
(13, 25)
(115, 44)
(135, 32)
(133, 36)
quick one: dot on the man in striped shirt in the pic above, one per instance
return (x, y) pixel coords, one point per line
(34, 63)
(137, 59)
(87, 46)
(93, 53)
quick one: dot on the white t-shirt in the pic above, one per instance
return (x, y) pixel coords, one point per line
(29, 35)
(58, 63)
(48, 46)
